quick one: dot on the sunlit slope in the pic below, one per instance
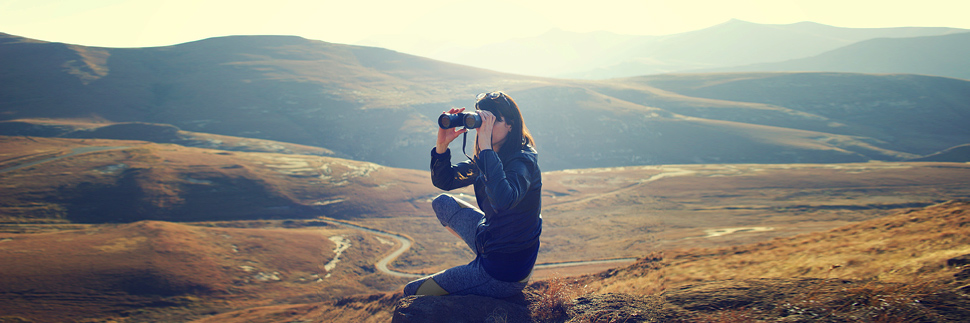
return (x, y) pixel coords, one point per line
(162, 271)
(376, 105)
(941, 55)
(588, 125)
(157, 133)
(124, 181)
(910, 113)
(910, 246)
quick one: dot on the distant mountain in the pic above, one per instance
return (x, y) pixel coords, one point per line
(376, 105)
(960, 154)
(911, 113)
(945, 55)
(603, 55)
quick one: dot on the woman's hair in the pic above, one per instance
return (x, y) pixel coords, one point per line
(505, 108)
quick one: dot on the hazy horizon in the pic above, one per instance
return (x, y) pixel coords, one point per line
(129, 23)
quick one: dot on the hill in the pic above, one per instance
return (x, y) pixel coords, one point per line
(902, 260)
(959, 153)
(646, 208)
(589, 214)
(158, 133)
(161, 271)
(908, 267)
(942, 55)
(58, 180)
(879, 109)
(332, 96)
(604, 55)
(739, 42)
(624, 212)
(905, 270)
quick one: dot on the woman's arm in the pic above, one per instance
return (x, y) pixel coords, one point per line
(506, 185)
(446, 176)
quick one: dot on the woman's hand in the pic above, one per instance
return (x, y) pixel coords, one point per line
(446, 136)
(485, 131)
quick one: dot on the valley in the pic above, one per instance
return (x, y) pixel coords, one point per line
(283, 179)
(621, 213)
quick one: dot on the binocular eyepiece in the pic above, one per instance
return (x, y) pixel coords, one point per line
(469, 120)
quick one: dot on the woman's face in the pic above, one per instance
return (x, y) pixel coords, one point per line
(500, 130)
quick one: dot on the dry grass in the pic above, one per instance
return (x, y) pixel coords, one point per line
(613, 212)
(891, 249)
(174, 183)
(184, 270)
(845, 301)
(550, 299)
(633, 211)
(896, 272)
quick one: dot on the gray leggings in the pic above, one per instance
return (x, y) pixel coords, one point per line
(469, 279)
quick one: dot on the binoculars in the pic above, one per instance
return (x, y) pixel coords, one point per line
(469, 120)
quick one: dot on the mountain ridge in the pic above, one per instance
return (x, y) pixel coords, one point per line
(931, 55)
(314, 93)
(731, 43)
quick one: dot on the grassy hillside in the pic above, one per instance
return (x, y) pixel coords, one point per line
(228, 267)
(158, 133)
(634, 211)
(909, 246)
(376, 105)
(604, 55)
(893, 269)
(940, 55)
(161, 271)
(883, 110)
(125, 181)
(646, 208)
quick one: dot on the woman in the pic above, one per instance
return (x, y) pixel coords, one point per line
(504, 229)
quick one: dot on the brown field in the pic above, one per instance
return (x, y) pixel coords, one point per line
(890, 269)
(162, 271)
(144, 181)
(237, 236)
(909, 246)
(635, 211)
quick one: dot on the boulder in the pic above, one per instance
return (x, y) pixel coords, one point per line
(456, 309)
(958, 261)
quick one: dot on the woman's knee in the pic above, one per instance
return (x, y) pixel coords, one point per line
(412, 287)
(442, 201)
(444, 207)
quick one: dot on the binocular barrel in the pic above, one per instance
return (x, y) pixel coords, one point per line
(469, 120)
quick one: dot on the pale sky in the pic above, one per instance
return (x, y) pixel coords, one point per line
(144, 23)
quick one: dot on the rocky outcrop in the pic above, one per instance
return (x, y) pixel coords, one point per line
(456, 309)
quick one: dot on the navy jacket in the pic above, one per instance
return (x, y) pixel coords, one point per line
(508, 191)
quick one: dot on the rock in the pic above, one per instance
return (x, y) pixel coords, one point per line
(963, 275)
(456, 309)
(958, 261)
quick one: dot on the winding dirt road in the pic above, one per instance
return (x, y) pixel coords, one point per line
(383, 264)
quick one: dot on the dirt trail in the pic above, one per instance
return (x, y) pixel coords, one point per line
(383, 264)
(665, 172)
(75, 151)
